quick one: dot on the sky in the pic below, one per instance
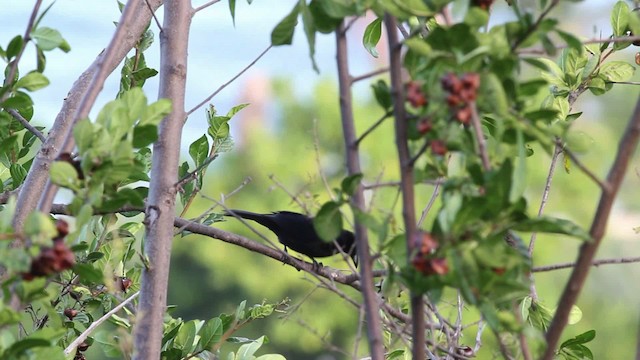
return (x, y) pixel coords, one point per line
(218, 50)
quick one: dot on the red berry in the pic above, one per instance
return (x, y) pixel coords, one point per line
(415, 96)
(463, 115)
(424, 126)
(438, 147)
(70, 313)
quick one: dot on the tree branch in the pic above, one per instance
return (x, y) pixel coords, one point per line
(203, 102)
(593, 263)
(626, 149)
(371, 305)
(406, 176)
(16, 115)
(39, 173)
(160, 207)
(94, 325)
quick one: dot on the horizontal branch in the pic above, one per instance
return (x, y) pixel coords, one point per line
(594, 263)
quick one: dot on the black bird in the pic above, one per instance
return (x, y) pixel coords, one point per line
(296, 232)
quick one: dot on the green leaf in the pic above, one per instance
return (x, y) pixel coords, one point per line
(620, 18)
(49, 39)
(18, 174)
(309, 31)
(382, 93)
(236, 109)
(211, 333)
(83, 134)
(419, 46)
(597, 86)
(246, 351)
(134, 102)
(328, 221)
(616, 71)
(282, 34)
(185, 338)
(552, 225)
(350, 183)
(338, 9)
(371, 36)
(32, 81)
(590, 67)
(572, 41)
(143, 135)
(476, 17)
(65, 175)
(583, 338)
(155, 112)
(232, 10)
(89, 274)
(199, 150)
(20, 348)
(323, 22)
(14, 47)
(519, 174)
(40, 228)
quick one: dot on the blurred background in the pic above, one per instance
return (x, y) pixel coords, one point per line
(293, 112)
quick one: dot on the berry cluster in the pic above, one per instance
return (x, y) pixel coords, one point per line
(462, 90)
(52, 260)
(415, 95)
(425, 260)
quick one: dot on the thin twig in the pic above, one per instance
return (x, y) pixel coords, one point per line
(13, 69)
(316, 150)
(481, 326)
(535, 26)
(203, 102)
(82, 337)
(373, 127)
(477, 129)
(369, 75)
(16, 115)
(545, 194)
(432, 200)
(205, 5)
(594, 263)
(153, 14)
(291, 195)
(619, 39)
(603, 185)
(543, 203)
(420, 151)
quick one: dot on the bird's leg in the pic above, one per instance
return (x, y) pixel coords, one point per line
(316, 265)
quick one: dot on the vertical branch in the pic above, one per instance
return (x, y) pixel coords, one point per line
(159, 214)
(374, 327)
(406, 177)
(626, 148)
(38, 174)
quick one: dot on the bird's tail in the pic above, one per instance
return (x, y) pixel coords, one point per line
(262, 219)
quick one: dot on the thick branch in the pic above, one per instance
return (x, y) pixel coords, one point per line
(627, 147)
(39, 173)
(406, 176)
(372, 315)
(160, 209)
